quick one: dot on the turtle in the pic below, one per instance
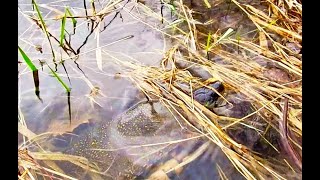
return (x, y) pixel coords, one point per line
(207, 96)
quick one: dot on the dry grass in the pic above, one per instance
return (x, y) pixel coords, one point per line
(239, 72)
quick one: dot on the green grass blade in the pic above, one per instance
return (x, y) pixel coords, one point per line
(238, 36)
(272, 22)
(170, 5)
(208, 42)
(60, 80)
(27, 60)
(34, 72)
(63, 24)
(93, 7)
(74, 21)
(43, 26)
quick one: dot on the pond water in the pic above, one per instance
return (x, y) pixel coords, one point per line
(116, 93)
(96, 115)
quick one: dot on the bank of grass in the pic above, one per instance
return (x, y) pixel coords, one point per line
(278, 104)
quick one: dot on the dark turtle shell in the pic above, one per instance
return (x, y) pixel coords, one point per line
(206, 96)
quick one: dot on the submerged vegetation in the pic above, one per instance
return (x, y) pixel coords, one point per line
(252, 48)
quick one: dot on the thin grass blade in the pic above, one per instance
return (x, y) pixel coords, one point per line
(74, 21)
(27, 60)
(59, 79)
(43, 26)
(224, 36)
(63, 24)
(208, 42)
(34, 72)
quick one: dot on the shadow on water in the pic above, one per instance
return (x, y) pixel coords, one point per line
(36, 84)
(69, 106)
(64, 67)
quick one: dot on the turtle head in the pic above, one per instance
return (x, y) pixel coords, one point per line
(207, 96)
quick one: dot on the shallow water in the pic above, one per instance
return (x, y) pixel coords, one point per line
(143, 47)
(126, 38)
